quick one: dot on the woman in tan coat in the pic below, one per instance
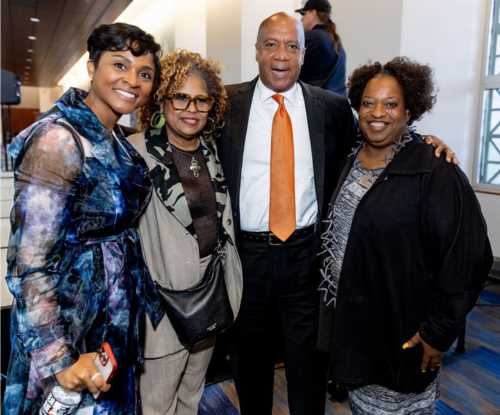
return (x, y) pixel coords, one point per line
(179, 230)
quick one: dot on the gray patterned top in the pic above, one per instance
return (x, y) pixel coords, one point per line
(339, 221)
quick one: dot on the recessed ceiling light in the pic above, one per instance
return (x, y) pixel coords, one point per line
(35, 19)
(31, 50)
(31, 37)
(28, 60)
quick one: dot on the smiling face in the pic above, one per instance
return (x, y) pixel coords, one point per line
(183, 126)
(279, 53)
(383, 116)
(121, 82)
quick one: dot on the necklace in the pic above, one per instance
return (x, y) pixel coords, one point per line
(195, 167)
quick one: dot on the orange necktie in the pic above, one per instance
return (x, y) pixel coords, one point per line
(282, 191)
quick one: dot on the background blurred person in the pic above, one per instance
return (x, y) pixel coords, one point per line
(189, 213)
(325, 58)
(404, 253)
(75, 266)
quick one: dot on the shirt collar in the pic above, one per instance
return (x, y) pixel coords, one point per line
(265, 93)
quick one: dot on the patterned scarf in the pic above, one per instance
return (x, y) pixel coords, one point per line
(167, 183)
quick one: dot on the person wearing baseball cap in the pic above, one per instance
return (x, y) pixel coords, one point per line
(318, 5)
(325, 58)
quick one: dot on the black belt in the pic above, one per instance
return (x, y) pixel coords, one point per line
(272, 239)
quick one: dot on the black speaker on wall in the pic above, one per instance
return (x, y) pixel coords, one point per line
(11, 88)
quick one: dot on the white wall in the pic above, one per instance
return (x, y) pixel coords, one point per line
(370, 30)
(29, 97)
(48, 96)
(191, 25)
(490, 204)
(454, 50)
(224, 37)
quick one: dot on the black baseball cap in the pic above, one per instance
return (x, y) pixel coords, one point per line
(318, 5)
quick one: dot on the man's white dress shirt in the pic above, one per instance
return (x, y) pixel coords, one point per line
(255, 179)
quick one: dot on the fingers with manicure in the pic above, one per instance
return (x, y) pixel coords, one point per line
(431, 358)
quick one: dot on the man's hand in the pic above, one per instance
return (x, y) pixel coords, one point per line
(432, 357)
(440, 147)
(83, 374)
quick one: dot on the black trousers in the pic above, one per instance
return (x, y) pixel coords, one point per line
(279, 305)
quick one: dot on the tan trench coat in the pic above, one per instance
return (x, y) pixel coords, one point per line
(172, 257)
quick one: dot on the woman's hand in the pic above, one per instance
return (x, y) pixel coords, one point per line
(440, 147)
(432, 357)
(83, 374)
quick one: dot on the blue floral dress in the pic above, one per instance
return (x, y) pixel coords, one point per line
(75, 266)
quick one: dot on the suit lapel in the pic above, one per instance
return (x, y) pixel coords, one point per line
(316, 122)
(241, 101)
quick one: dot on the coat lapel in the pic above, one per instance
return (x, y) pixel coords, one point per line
(316, 122)
(214, 168)
(166, 180)
(241, 102)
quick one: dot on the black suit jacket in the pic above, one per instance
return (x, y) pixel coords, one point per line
(332, 131)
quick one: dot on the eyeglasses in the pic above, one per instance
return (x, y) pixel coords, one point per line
(181, 102)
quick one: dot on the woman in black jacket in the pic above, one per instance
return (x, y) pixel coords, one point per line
(405, 250)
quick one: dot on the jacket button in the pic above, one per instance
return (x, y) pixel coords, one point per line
(229, 221)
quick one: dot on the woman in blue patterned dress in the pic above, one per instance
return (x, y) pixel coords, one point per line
(75, 266)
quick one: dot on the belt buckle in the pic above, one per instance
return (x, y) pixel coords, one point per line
(270, 237)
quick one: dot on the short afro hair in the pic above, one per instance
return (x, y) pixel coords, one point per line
(415, 80)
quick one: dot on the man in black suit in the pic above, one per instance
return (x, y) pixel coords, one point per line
(280, 296)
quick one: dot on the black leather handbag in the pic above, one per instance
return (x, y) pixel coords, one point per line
(203, 310)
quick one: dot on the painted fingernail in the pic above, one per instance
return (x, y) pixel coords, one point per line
(406, 345)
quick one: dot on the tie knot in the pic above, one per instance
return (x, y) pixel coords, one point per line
(280, 99)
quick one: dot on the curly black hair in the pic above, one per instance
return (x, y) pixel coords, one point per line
(175, 69)
(415, 80)
(121, 37)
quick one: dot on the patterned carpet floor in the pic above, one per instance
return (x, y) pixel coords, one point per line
(470, 382)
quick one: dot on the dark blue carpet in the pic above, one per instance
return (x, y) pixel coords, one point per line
(215, 402)
(443, 409)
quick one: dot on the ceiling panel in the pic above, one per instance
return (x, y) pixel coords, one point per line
(61, 35)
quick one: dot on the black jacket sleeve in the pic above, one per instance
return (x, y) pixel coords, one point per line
(458, 250)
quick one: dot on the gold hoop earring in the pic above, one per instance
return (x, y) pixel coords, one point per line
(157, 120)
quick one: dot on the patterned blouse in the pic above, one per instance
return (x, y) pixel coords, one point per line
(75, 266)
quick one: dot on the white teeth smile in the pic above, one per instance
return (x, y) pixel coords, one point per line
(126, 94)
(377, 125)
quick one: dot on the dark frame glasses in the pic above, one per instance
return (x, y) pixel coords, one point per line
(181, 102)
